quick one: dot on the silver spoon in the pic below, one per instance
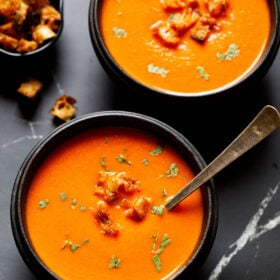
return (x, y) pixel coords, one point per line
(267, 120)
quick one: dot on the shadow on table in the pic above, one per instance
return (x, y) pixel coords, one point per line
(210, 123)
(15, 70)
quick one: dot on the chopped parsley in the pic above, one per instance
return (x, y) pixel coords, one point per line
(73, 247)
(123, 159)
(173, 16)
(155, 238)
(202, 73)
(63, 196)
(164, 192)
(83, 208)
(119, 32)
(145, 161)
(232, 52)
(114, 262)
(73, 203)
(43, 203)
(157, 262)
(157, 151)
(103, 164)
(157, 70)
(157, 210)
(165, 241)
(172, 171)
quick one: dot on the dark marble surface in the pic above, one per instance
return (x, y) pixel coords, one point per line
(247, 243)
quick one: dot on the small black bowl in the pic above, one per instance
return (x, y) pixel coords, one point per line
(58, 5)
(95, 121)
(118, 74)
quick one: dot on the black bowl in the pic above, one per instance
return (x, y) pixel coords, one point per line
(93, 121)
(58, 5)
(116, 72)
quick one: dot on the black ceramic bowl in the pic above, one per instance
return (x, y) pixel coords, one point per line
(95, 121)
(58, 5)
(116, 71)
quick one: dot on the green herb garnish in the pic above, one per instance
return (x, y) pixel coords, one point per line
(123, 159)
(155, 238)
(165, 241)
(172, 171)
(145, 161)
(202, 73)
(73, 247)
(114, 262)
(232, 52)
(164, 192)
(157, 262)
(103, 164)
(173, 16)
(157, 151)
(43, 203)
(119, 32)
(63, 196)
(157, 210)
(157, 70)
(83, 208)
(73, 203)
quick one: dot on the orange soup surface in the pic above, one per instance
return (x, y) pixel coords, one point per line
(188, 45)
(95, 208)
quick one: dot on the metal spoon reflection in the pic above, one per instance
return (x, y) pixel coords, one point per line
(267, 120)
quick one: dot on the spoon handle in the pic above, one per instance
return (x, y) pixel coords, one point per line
(267, 120)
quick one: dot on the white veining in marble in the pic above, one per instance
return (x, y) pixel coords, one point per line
(251, 232)
(32, 136)
(252, 262)
(61, 91)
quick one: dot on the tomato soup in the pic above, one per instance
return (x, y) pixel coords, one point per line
(186, 46)
(94, 209)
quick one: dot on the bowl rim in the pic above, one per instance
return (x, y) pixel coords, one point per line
(116, 72)
(93, 121)
(59, 5)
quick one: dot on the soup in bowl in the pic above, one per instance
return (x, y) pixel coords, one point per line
(88, 201)
(185, 48)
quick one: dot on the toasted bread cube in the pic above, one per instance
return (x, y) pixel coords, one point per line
(42, 33)
(63, 108)
(9, 8)
(38, 4)
(200, 32)
(8, 28)
(21, 14)
(26, 46)
(216, 8)
(8, 42)
(50, 17)
(166, 33)
(173, 5)
(181, 22)
(30, 88)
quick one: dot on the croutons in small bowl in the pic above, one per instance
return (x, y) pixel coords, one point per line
(28, 27)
